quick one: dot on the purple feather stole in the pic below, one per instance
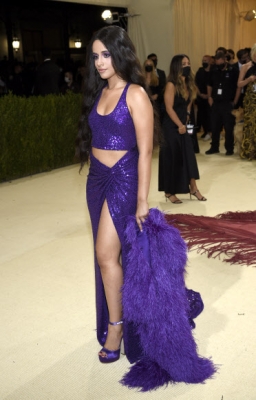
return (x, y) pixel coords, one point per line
(155, 301)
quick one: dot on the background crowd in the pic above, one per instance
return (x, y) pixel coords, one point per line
(49, 77)
(218, 92)
(221, 89)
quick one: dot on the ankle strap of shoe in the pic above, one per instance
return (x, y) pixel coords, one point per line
(116, 323)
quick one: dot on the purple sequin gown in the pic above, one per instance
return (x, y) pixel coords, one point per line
(118, 186)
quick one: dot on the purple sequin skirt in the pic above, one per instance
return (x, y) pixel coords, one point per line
(118, 186)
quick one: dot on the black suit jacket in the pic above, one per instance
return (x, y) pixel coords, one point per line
(47, 79)
(236, 66)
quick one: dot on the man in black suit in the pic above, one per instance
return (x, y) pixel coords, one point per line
(241, 55)
(47, 78)
(162, 82)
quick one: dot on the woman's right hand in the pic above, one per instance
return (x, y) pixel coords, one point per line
(141, 213)
(182, 129)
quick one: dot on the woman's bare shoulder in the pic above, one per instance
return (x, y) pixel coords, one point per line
(136, 90)
(136, 94)
(170, 85)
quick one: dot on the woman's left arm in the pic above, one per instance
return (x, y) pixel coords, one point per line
(143, 118)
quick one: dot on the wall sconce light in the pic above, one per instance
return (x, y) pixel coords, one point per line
(249, 15)
(16, 43)
(106, 14)
(110, 17)
(78, 43)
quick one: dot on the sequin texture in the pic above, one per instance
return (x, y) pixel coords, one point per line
(118, 186)
(114, 131)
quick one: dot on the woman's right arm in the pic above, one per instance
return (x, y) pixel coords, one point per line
(169, 95)
(243, 82)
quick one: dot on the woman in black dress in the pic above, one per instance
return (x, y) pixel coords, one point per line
(152, 81)
(178, 169)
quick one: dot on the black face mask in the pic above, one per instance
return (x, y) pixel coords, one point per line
(155, 63)
(205, 64)
(228, 57)
(243, 62)
(220, 67)
(149, 68)
(186, 71)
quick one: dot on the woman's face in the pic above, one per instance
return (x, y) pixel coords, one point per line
(102, 60)
(185, 62)
(149, 66)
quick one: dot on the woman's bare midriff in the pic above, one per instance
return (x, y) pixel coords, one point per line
(108, 157)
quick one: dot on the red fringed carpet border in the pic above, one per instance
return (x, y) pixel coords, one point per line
(232, 234)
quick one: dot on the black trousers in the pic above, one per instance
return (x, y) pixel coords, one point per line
(221, 117)
(203, 115)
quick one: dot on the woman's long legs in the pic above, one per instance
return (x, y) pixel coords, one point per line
(108, 249)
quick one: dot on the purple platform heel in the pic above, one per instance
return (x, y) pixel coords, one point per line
(111, 355)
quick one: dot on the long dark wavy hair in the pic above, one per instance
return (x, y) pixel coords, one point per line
(175, 76)
(126, 65)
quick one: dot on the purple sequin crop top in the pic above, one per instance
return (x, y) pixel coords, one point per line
(114, 131)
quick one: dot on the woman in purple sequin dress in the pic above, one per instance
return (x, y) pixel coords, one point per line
(117, 131)
(117, 136)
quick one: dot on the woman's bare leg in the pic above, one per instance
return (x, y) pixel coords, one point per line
(194, 190)
(108, 249)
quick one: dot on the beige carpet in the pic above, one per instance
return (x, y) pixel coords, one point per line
(47, 332)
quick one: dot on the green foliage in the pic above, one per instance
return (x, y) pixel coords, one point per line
(37, 134)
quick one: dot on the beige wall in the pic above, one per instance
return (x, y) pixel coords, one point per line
(247, 30)
(194, 27)
(157, 29)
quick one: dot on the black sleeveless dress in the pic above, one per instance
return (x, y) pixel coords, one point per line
(177, 160)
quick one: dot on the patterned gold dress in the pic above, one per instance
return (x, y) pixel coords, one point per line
(248, 146)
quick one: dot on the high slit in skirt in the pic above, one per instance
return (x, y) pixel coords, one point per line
(118, 185)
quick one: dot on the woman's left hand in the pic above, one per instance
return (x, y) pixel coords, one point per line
(141, 213)
(182, 129)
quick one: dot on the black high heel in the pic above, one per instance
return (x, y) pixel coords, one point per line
(178, 201)
(194, 194)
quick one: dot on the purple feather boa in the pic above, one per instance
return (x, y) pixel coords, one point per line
(154, 299)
